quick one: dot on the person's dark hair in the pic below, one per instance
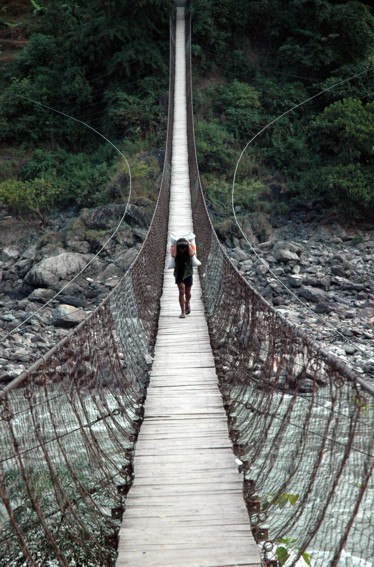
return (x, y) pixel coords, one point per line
(181, 258)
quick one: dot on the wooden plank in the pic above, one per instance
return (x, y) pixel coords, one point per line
(185, 508)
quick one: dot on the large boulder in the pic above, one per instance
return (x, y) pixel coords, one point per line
(41, 295)
(50, 272)
(285, 255)
(108, 216)
(67, 316)
(287, 251)
(313, 294)
(124, 259)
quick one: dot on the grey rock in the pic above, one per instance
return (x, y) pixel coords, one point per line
(346, 284)
(105, 217)
(366, 313)
(23, 304)
(285, 255)
(48, 251)
(295, 247)
(80, 246)
(246, 266)
(271, 259)
(338, 270)
(350, 314)
(74, 300)
(9, 254)
(29, 253)
(23, 266)
(265, 245)
(112, 282)
(8, 317)
(322, 308)
(41, 295)
(52, 270)
(319, 280)
(124, 259)
(290, 315)
(140, 233)
(312, 294)
(325, 282)
(21, 355)
(38, 339)
(295, 280)
(262, 268)
(279, 300)
(239, 255)
(350, 349)
(67, 316)
(110, 271)
(77, 289)
(339, 230)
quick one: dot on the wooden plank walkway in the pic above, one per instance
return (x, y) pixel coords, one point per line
(185, 508)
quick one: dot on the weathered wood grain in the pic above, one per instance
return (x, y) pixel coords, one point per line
(185, 507)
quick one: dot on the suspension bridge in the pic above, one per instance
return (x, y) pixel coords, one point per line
(114, 447)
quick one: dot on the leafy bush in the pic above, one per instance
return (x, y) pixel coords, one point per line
(234, 104)
(131, 115)
(34, 198)
(51, 180)
(345, 131)
(347, 189)
(213, 143)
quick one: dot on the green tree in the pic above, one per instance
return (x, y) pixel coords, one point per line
(214, 147)
(238, 105)
(345, 131)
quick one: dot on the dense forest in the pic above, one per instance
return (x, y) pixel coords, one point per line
(105, 63)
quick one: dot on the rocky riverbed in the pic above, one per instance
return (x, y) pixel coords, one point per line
(35, 264)
(320, 277)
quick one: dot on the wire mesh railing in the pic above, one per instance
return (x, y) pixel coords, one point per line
(68, 425)
(301, 421)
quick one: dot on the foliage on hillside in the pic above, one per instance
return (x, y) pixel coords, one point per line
(253, 62)
(105, 62)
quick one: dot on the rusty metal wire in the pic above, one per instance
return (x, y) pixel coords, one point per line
(68, 425)
(301, 421)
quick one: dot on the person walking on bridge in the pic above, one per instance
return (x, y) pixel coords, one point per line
(183, 273)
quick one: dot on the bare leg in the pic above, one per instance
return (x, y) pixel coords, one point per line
(182, 303)
(188, 298)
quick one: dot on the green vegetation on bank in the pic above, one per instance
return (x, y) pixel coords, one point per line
(105, 62)
(255, 60)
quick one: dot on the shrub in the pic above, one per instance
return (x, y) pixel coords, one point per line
(348, 189)
(345, 130)
(214, 150)
(30, 198)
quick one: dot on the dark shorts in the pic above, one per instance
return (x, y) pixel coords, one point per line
(187, 281)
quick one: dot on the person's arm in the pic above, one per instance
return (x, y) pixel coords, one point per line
(191, 249)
